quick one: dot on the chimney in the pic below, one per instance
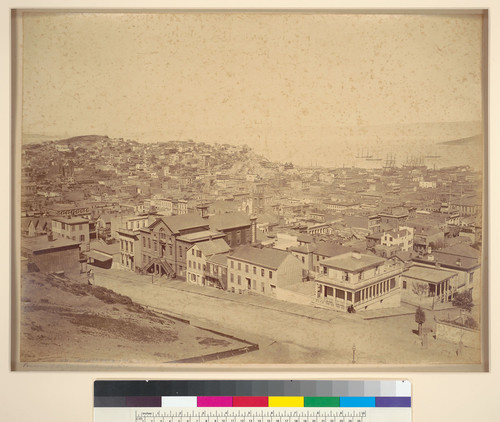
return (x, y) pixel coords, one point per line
(459, 262)
(50, 237)
(202, 210)
(253, 229)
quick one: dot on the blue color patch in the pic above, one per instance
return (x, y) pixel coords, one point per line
(357, 401)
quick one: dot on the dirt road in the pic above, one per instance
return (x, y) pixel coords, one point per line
(286, 333)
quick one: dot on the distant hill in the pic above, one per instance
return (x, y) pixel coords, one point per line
(463, 141)
(83, 138)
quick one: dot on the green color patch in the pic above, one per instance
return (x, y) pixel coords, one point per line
(321, 402)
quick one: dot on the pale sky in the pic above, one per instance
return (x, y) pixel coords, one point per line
(278, 82)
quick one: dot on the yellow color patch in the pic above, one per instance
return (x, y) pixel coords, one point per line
(286, 401)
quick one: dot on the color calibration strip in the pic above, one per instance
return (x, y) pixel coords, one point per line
(304, 394)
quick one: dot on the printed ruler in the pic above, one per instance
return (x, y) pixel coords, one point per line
(155, 401)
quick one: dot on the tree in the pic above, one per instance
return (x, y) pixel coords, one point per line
(463, 301)
(419, 319)
(420, 289)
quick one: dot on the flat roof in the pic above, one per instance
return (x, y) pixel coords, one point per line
(72, 220)
(41, 243)
(353, 261)
(429, 274)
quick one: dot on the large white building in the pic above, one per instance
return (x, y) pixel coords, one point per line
(358, 280)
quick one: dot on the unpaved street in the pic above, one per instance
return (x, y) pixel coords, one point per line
(285, 332)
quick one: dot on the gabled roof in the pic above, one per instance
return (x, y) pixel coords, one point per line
(211, 247)
(461, 250)
(405, 255)
(330, 249)
(219, 259)
(201, 235)
(265, 257)
(307, 248)
(228, 220)
(177, 223)
(450, 261)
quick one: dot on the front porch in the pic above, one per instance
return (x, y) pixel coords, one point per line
(382, 294)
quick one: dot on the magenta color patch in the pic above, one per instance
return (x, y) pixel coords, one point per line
(211, 401)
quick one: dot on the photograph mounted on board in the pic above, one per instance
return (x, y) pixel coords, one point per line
(250, 189)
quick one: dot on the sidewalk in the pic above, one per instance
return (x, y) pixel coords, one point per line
(245, 298)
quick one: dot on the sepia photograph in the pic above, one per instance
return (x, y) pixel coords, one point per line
(250, 189)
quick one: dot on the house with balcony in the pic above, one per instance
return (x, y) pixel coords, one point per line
(202, 272)
(358, 280)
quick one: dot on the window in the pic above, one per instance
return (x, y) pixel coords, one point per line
(199, 266)
(262, 272)
(303, 260)
(180, 251)
(189, 263)
(262, 287)
(198, 254)
(192, 252)
(149, 242)
(254, 284)
(155, 245)
(404, 284)
(144, 241)
(270, 274)
(246, 268)
(72, 228)
(232, 264)
(239, 280)
(471, 278)
(255, 270)
(131, 247)
(239, 265)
